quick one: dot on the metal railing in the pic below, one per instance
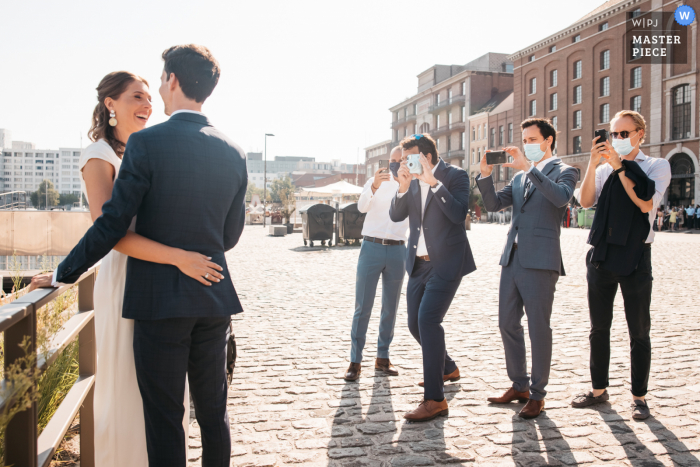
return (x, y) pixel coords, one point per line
(18, 320)
(13, 200)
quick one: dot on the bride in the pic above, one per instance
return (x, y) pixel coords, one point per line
(123, 108)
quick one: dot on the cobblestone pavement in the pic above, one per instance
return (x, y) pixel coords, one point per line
(289, 405)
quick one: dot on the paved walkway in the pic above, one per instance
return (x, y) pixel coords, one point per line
(289, 406)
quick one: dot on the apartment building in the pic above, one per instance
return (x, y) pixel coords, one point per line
(24, 167)
(446, 96)
(491, 127)
(580, 77)
(374, 153)
(283, 166)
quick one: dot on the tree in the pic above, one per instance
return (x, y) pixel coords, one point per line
(67, 199)
(40, 196)
(254, 190)
(281, 187)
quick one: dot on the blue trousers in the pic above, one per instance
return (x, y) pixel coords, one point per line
(165, 351)
(376, 259)
(429, 297)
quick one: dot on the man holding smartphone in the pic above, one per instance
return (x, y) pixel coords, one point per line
(434, 197)
(627, 189)
(383, 253)
(531, 260)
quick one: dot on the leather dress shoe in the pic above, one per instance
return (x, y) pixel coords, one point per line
(509, 396)
(353, 373)
(427, 410)
(532, 409)
(385, 365)
(454, 376)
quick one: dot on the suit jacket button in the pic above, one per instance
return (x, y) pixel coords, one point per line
(522, 210)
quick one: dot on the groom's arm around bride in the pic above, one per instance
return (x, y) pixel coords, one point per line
(185, 182)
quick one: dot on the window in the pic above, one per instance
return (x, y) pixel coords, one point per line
(449, 118)
(577, 120)
(531, 58)
(603, 27)
(479, 134)
(552, 78)
(437, 122)
(473, 133)
(464, 88)
(636, 104)
(493, 137)
(533, 85)
(637, 12)
(553, 101)
(510, 132)
(554, 122)
(605, 60)
(681, 112)
(605, 86)
(478, 155)
(464, 113)
(473, 156)
(415, 109)
(605, 113)
(577, 97)
(552, 49)
(501, 135)
(461, 141)
(533, 107)
(437, 99)
(577, 69)
(577, 144)
(576, 38)
(636, 77)
(484, 133)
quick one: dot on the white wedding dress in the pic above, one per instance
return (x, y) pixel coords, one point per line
(120, 433)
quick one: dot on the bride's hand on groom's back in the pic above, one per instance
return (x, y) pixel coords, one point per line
(198, 267)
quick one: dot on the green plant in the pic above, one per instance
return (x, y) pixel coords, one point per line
(15, 267)
(46, 192)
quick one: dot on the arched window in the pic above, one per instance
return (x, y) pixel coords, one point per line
(681, 191)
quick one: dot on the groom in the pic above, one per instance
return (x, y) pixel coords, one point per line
(185, 182)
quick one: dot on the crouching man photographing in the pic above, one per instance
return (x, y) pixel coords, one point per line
(383, 253)
(531, 261)
(628, 189)
(434, 196)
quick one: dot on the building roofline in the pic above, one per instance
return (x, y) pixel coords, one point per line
(376, 145)
(575, 27)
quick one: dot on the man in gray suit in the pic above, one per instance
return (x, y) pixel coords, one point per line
(531, 258)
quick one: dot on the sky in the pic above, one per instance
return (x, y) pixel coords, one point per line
(319, 75)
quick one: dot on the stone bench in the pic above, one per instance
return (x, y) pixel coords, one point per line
(278, 230)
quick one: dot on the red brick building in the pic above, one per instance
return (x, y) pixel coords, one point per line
(579, 78)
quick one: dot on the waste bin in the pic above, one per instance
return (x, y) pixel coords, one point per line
(317, 223)
(585, 218)
(350, 222)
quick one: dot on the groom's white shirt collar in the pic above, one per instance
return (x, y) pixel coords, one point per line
(188, 111)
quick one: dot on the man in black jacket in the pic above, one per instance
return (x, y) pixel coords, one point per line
(627, 189)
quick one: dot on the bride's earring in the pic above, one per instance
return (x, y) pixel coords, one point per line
(112, 118)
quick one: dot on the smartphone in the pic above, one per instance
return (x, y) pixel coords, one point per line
(384, 164)
(603, 136)
(496, 157)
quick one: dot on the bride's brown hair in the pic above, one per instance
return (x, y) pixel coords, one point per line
(113, 85)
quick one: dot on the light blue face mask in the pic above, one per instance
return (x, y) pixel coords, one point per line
(533, 152)
(622, 146)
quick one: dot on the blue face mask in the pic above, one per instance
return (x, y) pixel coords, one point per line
(533, 152)
(394, 168)
(622, 146)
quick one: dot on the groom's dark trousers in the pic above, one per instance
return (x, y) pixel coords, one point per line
(185, 182)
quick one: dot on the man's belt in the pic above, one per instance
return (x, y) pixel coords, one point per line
(383, 241)
(424, 257)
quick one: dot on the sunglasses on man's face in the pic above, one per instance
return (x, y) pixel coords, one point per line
(621, 134)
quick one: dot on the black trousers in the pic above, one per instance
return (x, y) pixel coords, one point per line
(636, 293)
(165, 351)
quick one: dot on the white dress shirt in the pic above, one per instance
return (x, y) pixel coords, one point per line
(376, 205)
(422, 250)
(187, 111)
(656, 169)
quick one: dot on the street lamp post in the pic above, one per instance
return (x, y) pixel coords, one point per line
(265, 180)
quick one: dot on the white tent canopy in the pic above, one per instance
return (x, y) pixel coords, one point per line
(341, 188)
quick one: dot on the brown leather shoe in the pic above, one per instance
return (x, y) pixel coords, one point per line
(532, 409)
(454, 376)
(509, 396)
(385, 365)
(353, 373)
(427, 410)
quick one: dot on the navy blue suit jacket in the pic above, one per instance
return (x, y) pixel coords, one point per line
(185, 182)
(443, 222)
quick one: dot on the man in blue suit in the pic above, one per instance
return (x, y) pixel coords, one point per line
(185, 182)
(438, 256)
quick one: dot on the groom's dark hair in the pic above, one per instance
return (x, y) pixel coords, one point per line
(196, 69)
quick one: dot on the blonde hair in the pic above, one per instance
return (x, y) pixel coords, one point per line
(639, 122)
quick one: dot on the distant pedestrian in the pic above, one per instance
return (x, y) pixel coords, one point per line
(689, 217)
(574, 216)
(659, 219)
(673, 220)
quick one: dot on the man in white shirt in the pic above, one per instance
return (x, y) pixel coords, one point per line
(621, 235)
(383, 253)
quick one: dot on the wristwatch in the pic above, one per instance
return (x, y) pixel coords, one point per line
(621, 169)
